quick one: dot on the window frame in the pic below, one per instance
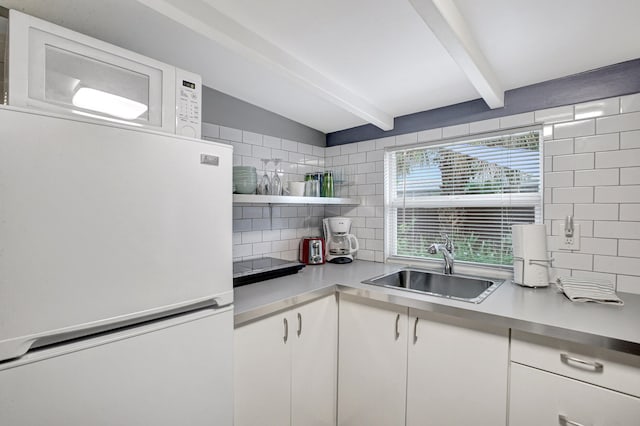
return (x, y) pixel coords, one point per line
(391, 205)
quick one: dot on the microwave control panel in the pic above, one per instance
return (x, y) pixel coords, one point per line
(188, 104)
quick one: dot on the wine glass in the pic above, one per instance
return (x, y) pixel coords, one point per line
(276, 184)
(264, 187)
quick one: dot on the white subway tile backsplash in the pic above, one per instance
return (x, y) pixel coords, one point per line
(251, 138)
(619, 123)
(630, 176)
(630, 212)
(557, 211)
(604, 246)
(373, 156)
(573, 195)
(348, 149)
(517, 120)
(305, 148)
(628, 284)
(272, 142)
(484, 126)
(596, 177)
(271, 235)
(430, 135)
(554, 115)
(621, 158)
(605, 142)
(629, 140)
(630, 103)
(573, 129)
(618, 194)
(558, 179)
(251, 237)
(230, 134)
(455, 131)
(629, 248)
(573, 162)
(574, 260)
(558, 147)
(366, 146)
(599, 108)
(595, 211)
(290, 146)
(260, 152)
(366, 167)
(385, 142)
(360, 157)
(616, 264)
(589, 275)
(611, 229)
(407, 139)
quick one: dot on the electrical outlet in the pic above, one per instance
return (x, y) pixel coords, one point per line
(573, 242)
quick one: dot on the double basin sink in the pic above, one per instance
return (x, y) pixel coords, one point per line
(458, 287)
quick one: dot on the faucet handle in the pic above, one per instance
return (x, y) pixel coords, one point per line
(448, 243)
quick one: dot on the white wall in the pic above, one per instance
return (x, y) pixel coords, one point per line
(592, 171)
(259, 230)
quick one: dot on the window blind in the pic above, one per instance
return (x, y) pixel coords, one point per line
(473, 190)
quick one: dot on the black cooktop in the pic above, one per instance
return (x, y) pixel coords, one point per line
(263, 268)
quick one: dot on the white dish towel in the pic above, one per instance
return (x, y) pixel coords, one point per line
(581, 290)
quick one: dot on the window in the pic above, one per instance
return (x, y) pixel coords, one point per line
(473, 190)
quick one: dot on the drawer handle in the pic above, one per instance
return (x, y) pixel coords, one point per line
(592, 364)
(564, 421)
(286, 331)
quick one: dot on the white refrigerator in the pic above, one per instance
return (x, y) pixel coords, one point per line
(116, 298)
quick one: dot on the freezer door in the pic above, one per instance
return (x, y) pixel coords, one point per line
(173, 372)
(101, 224)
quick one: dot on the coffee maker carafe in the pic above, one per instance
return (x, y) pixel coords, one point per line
(340, 244)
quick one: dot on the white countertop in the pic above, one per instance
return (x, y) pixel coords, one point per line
(543, 310)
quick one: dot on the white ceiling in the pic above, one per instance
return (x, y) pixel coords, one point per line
(336, 64)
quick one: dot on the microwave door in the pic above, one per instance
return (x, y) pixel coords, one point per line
(56, 69)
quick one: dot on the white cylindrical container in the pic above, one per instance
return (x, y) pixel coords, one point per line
(530, 257)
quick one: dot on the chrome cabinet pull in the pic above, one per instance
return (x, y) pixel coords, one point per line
(597, 366)
(397, 329)
(299, 324)
(286, 330)
(415, 330)
(564, 421)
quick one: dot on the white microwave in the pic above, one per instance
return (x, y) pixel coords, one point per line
(56, 69)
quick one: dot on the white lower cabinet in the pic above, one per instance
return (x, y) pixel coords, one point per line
(285, 367)
(556, 382)
(457, 372)
(399, 366)
(541, 398)
(372, 357)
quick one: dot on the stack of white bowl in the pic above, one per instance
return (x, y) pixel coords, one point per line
(245, 179)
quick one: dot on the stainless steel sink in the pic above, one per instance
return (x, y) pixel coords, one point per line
(458, 287)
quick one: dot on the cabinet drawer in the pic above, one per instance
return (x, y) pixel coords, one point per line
(540, 398)
(614, 370)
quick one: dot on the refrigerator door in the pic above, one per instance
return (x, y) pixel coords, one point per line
(172, 372)
(103, 225)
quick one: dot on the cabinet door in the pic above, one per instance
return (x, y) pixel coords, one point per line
(262, 372)
(314, 335)
(373, 362)
(540, 398)
(457, 372)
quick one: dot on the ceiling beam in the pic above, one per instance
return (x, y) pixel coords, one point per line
(209, 22)
(449, 26)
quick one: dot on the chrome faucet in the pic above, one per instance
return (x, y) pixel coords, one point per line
(447, 251)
